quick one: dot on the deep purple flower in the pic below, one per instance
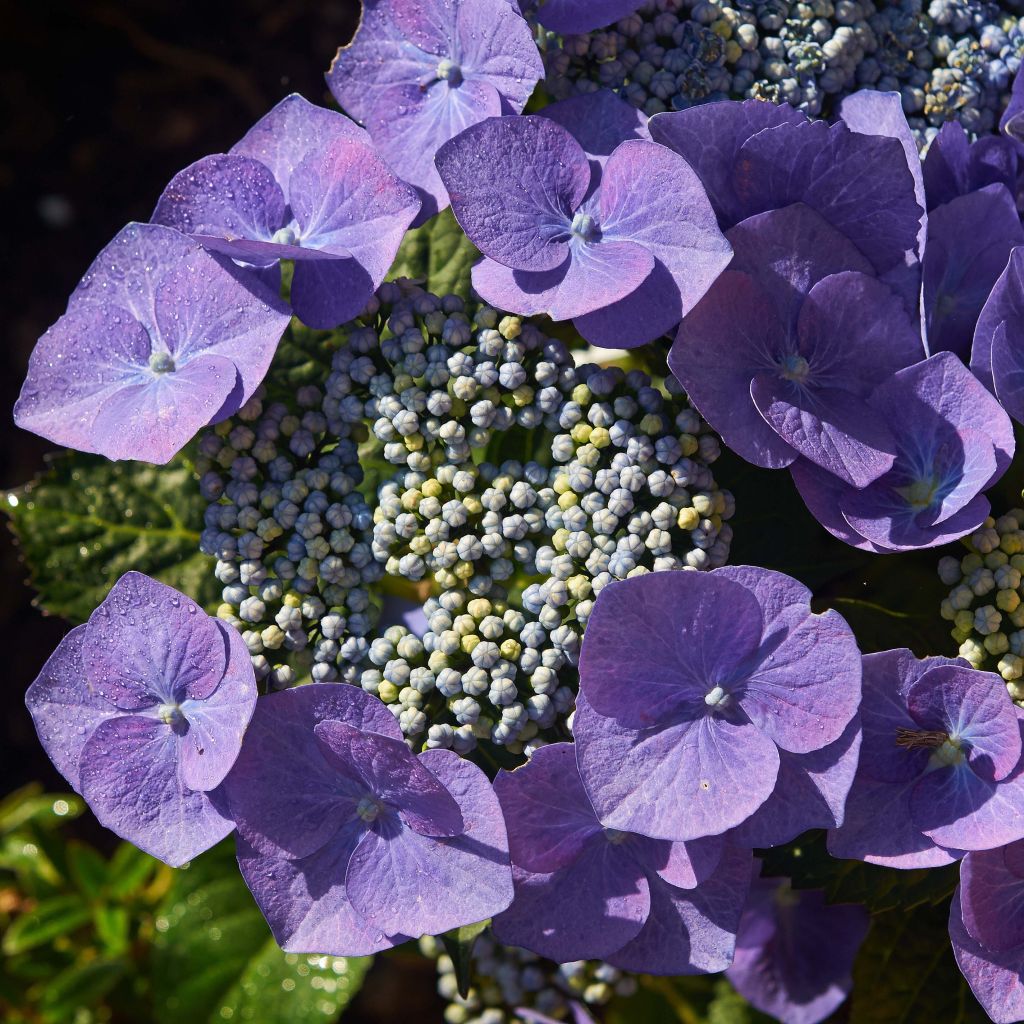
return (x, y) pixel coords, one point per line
(585, 891)
(1011, 123)
(754, 156)
(997, 355)
(795, 952)
(986, 927)
(349, 842)
(956, 166)
(304, 184)
(142, 710)
(969, 243)
(691, 685)
(580, 1015)
(625, 256)
(599, 121)
(571, 17)
(420, 71)
(159, 339)
(953, 441)
(940, 769)
(778, 384)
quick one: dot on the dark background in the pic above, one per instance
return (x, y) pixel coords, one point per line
(101, 102)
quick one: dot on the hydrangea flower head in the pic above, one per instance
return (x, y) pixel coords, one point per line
(304, 184)
(997, 355)
(691, 685)
(781, 383)
(985, 927)
(953, 441)
(625, 251)
(420, 71)
(159, 339)
(142, 710)
(940, 769)
(795, 952)
(349, 842)
(583, 890)
(570, 17)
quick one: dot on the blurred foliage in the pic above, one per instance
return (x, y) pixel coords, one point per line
(84, 521)
(438, 255)
(125, 939)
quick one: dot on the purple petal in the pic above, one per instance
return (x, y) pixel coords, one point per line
(147, 644)
(398, 879)
(394, 775)
(130, 780)
(1011, 122)
(789, 251)
(65, 707)
(547, 810)
(969, 243)
(691, 931)
(687, 865)
(590, 908)
(217, 723)
(955, 166)
(958, 809)
(154, 417)
(304, 900)
(598, 121)
(860, 184)
(732, 334)
(686, 781)
(326, 293)
(281, 138)
(224, 196)
(285, 797)
(995, 357)
(780, 596)
(829, 426)
(710, 136)
(970, 706)
(810, 792)
(572, 17)
(822, 493)
(650, 195)
(517, 209)
(878, 829)
(994, 977)
(992, 898)
(657, 644)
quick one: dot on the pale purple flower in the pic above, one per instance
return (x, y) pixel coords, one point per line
(953, 441)
(420, 71)
(586, 891)
(986, 927)
(349, 842)
(304, 184)
(692, 685)
(572, 17)
(778, 383)
(142, 710)
(969, 242)
(940, 768)
(956, 166)
(795, 952)
(160, 338)
(624, 251)
(997, 355)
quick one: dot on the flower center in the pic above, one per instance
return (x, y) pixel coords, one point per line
(615, 837)
(450, 72)
(584, 227)
(170, 714)
(369, 809)
(794, 368)
(920, 493)
(161, 362)
(948, 754)
(716, 697)
(285, 236)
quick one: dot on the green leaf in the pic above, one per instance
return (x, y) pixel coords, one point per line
(79, 987)
(112, 927)
(905, 973)
(31, 805)
(51, 918)
(458, 944)
(214, 958)
(130, 869)
(88, 869)
(438, 255)
(85, 521)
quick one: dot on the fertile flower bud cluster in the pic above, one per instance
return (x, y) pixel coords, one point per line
(617, 484)
(948, 59)
(985, 603)
(506, 976)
